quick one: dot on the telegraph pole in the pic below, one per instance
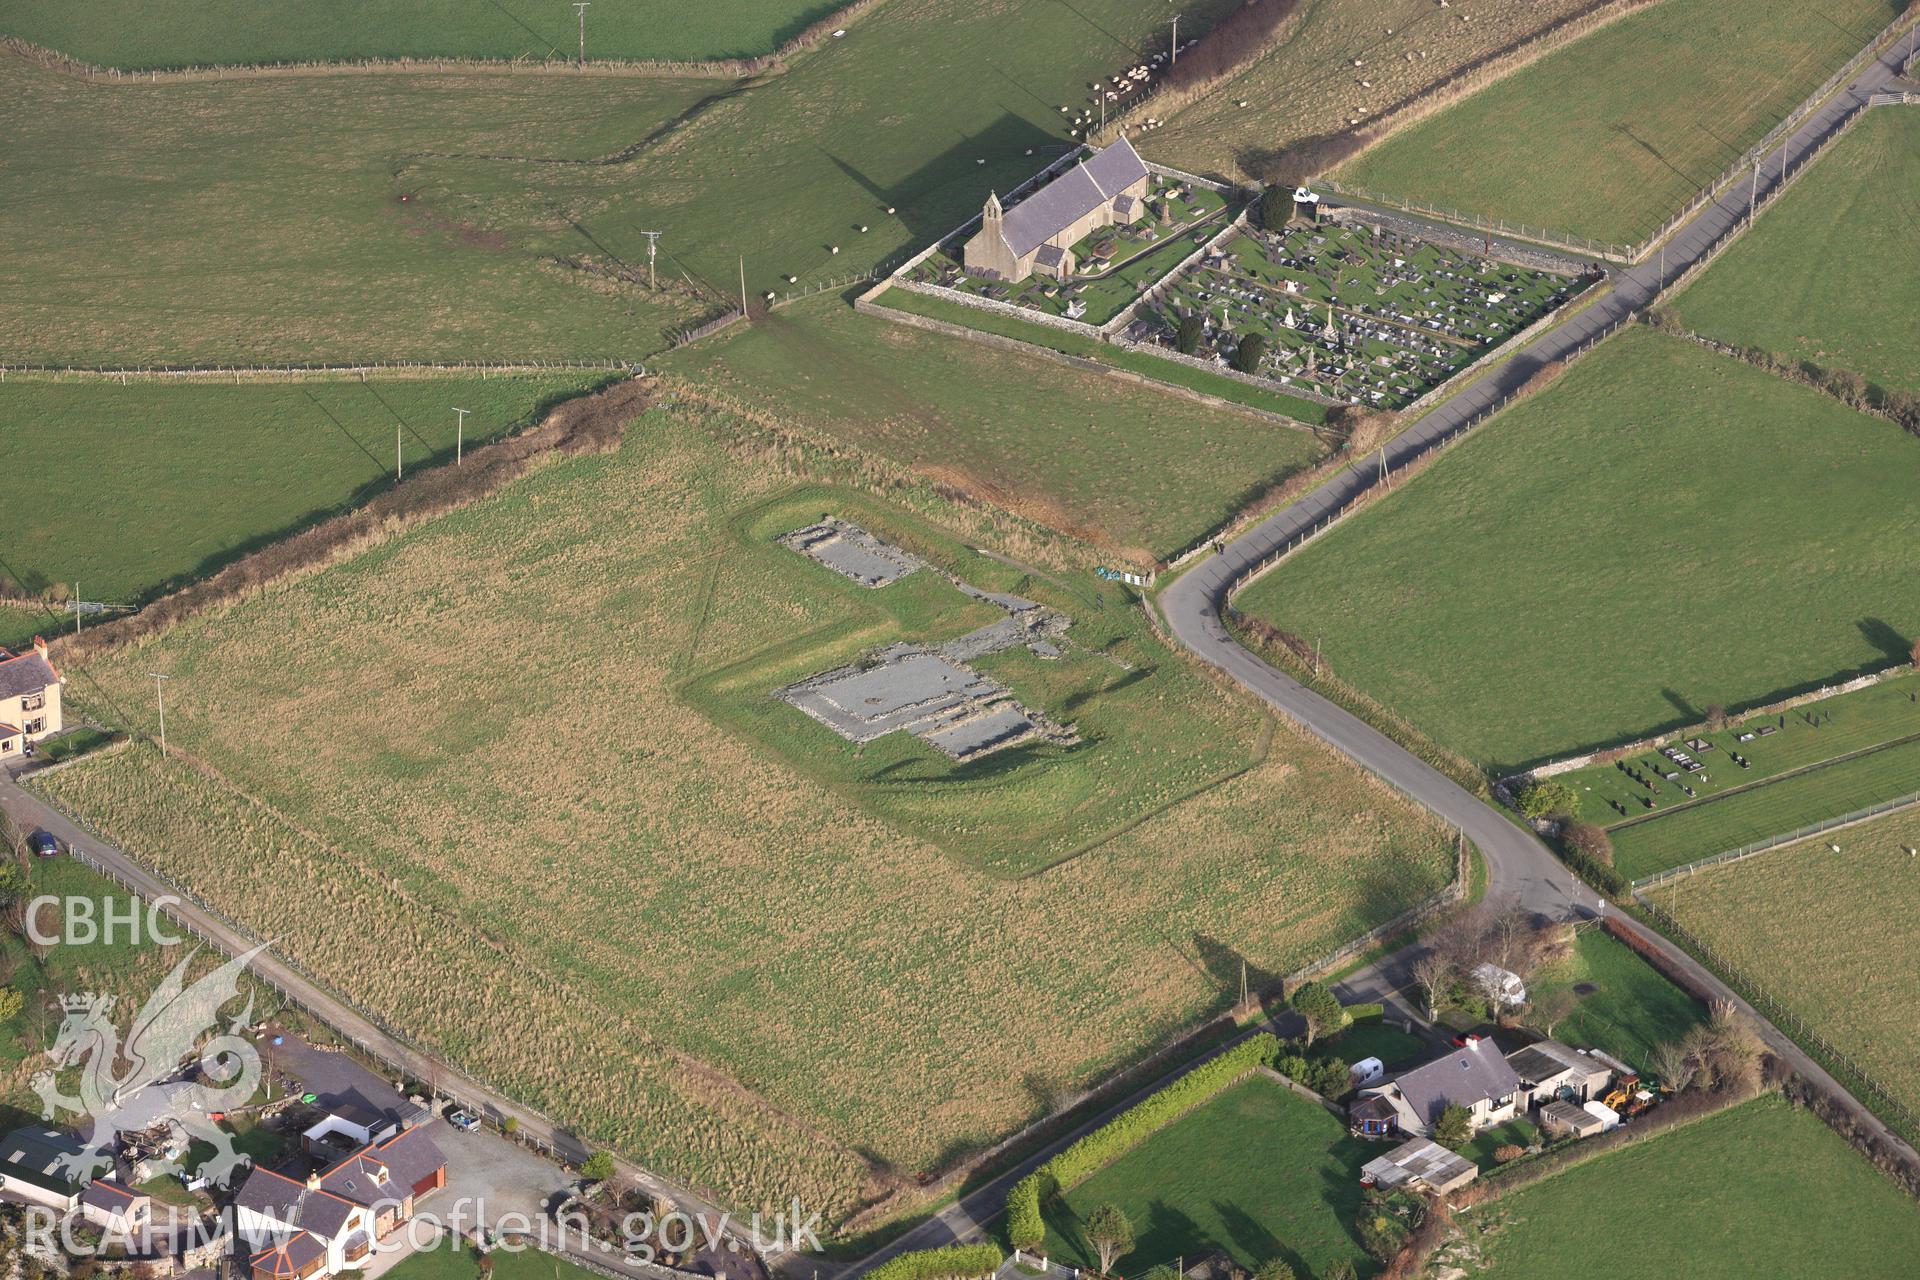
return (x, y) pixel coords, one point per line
(159, 696)
(76, 606)
(1173, 48)
(399, 466)
(743, 288)
(1753, 190)
(460, 435)
(653, 243)
(581, 9)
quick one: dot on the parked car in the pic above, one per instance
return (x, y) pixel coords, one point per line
(44, 844)
(465, 1121)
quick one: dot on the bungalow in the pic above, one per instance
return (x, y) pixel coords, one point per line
(1474, 1076)
(1419, 1164)
(1550, 1071)
(36, 1166)
(29, 698)
(112, 1207)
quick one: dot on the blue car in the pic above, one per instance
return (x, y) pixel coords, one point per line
(44, 844)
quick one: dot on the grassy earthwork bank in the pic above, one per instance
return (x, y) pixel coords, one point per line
(1654, 534)
(187, 33)
(547, 754)
(1140, 474)
(1762, 1189)
(1147, 365)
(1812, 280)
(1655, 106)
(1827, 934)
(1258, 1171)
(140, 488)
(489, 215)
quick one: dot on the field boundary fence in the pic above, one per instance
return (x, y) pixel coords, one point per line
(1774, 842)
(1566, 242)
(1905, 1123)
(125, 374)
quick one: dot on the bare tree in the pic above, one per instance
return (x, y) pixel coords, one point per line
(1551, 1009)
(1672, 1065)
(1507, 936)
(1433, 973)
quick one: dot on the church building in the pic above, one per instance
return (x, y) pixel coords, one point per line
(1038, 234)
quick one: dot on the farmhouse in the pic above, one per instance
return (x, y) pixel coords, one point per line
(328, 1223)
(1039, 233)
(1474, 1076)
(29, 698)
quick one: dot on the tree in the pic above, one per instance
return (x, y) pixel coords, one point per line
(1544, 796)
(510, 1126)
(1330, 1078)
(1716, 716)
(1455, 1129)
(1433, 974)
(1552, 1007)
(13, 882)
(1274, 1269)
(1508, 933)
(1110, 1234)
(1319, 1008)
(1590, 840)
(1276, 206)
(1246, 356)
(1187, 340)
(599, 1166)
(1672, 1065)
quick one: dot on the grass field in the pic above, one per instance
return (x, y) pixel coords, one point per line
(1307, 85)
(1624, 1006)
(1763, 1189)
(551, 819)
(1259, 1172)
(1830, 935)
(459, 1262)
(1180, 375)
(175, 33)
(1654, 534)
(1810, 281)
(1142, 474)
(139, 488)
(524, 196)
(1655, 106)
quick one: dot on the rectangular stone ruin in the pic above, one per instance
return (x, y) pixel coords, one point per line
(852, 552)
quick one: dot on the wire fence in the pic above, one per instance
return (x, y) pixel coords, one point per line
(1895, 1113)
(1564, 241)
(1775, 842)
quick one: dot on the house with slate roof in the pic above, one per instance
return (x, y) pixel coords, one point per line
(112, 1207)
(37, 1166)
(329, 1223)
(1038, 234)
(29, 698)
(1474, 1076)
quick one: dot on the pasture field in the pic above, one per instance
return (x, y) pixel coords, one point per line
(1624, 1006)
(141, 488)
(586, 856)
(1810, 281)
(196, 33)
(1762, 1189)
(1653, 534)
(1829, 935)
(1306, 85)
(1140, 474)
(457, 1262)
(1258, 1171)
(1655, 106)
(524, 196)
(1818, 761)
(1073, 344)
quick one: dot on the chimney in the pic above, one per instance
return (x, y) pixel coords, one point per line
(313, 1181)
(40, 646)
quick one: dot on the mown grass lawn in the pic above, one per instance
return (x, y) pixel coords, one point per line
(1660, 531)
(1812, 281)
(1258, 1172)
(1830, 935)
(1623, 1006)
(1611, 134)
(1143, 474)
(457, 1261)
(1763, 1189)
(134, 489)
(176, 33)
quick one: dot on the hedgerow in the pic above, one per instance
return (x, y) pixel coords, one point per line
(1025, 1227)
(960, 1260)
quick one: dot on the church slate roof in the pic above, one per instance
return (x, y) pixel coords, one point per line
(1071, 196)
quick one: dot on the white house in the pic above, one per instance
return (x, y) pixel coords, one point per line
(114, 1208)
(1473, 1076)
(29, 698)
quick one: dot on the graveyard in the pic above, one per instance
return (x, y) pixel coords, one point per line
(1355, 312)
(1119, 262)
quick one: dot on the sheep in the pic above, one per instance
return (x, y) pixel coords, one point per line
(833, 248)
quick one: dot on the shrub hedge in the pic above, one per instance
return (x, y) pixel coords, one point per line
(1365, 1010)
(960, 1260)
(1026, 1229)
